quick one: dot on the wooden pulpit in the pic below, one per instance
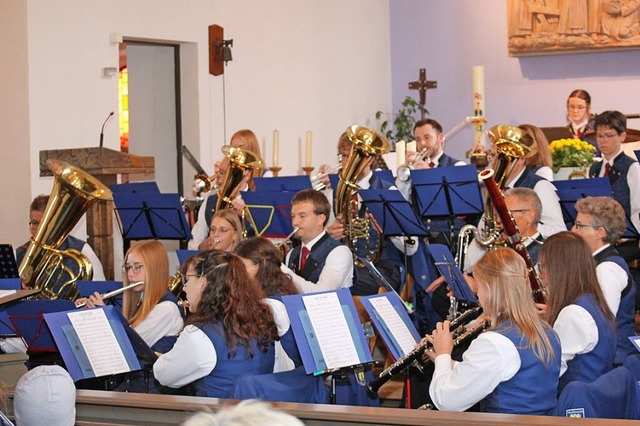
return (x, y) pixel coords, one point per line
(105, 164)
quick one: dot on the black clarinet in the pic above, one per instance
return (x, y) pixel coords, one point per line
(416, 354)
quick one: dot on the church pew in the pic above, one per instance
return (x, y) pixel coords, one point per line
(101, 408)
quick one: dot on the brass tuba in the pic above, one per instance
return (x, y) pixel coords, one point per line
(365, 145)
(511, 144)
(241, 163)
(42, 267)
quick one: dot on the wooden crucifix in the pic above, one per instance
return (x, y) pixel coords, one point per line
(422, 85)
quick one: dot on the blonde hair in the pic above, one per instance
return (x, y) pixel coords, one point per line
(232, 217)
(542, 157)
(504, 273)
(156, 266)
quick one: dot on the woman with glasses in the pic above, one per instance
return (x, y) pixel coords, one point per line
(579, 113)
(225, 231)
(576, 308)
(151, 309)
(262, 260)
(230, 331)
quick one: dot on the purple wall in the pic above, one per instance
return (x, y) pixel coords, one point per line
(449, 37)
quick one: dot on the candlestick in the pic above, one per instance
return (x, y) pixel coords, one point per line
(308, 170)
(307, 162)
(275, 147)
(275, 170)
(401, 153)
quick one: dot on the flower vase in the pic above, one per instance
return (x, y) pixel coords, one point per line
(570, 173)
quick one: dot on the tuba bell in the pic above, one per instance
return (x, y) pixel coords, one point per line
(43, 267)
(365, 145)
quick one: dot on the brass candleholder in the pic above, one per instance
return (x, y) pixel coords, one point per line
(275, 170)
(308, 170)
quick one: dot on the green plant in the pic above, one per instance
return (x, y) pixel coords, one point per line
(571, 153)
(401, 127)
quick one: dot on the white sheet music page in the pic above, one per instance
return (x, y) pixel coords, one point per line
(332, 331)
(99, 342)
(394, 323)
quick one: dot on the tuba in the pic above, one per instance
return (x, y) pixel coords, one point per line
(241, 163)
(511, 144)
(365, 144)
(43, 267)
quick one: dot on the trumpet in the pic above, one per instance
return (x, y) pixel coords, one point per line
(203, 183)
(316, 180)
(284, 244)
(113, 293)
(404, 171)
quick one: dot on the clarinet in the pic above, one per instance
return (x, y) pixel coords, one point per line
(416, 353)
(513, 233)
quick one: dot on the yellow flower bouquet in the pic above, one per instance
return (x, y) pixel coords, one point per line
(571, 153)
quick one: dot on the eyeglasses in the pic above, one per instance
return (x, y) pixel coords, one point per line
(185, 277)
(519, 211)
(609, 136)
(577, 107)
(579, 225)
(137, 267)
(34, 224)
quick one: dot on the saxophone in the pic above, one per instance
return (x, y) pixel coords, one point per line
(365, 144)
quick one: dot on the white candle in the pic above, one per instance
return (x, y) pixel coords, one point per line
(411, 147)
(308, 151)
(478, 90)
(401, 152)
(275, 148)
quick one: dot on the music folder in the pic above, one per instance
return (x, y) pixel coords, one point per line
(93, 342)
(327, 330)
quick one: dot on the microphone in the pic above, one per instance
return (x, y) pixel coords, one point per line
(102, 129)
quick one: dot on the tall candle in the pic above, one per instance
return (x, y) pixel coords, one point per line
(308, 151)
(275, 148)
(411, 146)
(478, 90)
(401, 153)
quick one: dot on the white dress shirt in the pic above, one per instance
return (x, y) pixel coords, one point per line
(577, 331)
(163, 320)
(612, 279)
(337, 271)
(282, 361)
(491, 359)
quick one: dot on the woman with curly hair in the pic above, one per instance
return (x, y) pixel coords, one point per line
(230, 332)
(263, 261)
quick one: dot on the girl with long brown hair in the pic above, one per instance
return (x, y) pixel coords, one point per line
(577, 309)
(501, 365)
(230, 332)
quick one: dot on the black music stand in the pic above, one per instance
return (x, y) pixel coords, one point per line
(570, 191)
(447, 192)
(149, 215)
(8, 265)
(271, 211)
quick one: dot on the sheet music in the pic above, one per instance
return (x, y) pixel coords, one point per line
(332, 330)
(394, 323)
(99, 342)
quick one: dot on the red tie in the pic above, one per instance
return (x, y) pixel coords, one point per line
(607, 167)
(579, 134)
(303, 258)
(432, 164)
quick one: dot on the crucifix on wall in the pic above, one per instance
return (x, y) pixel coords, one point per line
(422, 85)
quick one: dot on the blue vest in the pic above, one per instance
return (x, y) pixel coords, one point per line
(618, 178)
(165, 344)
(534, 249)
(446, 161)
(210, 208)
(528, 179)
(532, 390)
(288, 340)
(589, 366)
(316, 259)
(220, 382)
(625, 317)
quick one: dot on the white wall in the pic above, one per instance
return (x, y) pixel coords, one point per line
(318, 65)
(449, 37)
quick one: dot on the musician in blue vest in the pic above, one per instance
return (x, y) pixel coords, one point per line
(623, 171)
(513, 367)
(230, 331)
(576, 308)
(579, 113)
(601, 222)
(36, 210)
(319, 263)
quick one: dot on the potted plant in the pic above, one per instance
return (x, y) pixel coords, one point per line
(401, 127)
(571, 158)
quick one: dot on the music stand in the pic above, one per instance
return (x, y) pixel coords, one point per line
(28, 321)
(10, 297)
(570, 191)
(8, 265)
(10, 284)
(445, 263)
(447, 192)
(135, 188)
(385, 175)
(271, 212)
(284, 183)
(183, 255)
(150, 215)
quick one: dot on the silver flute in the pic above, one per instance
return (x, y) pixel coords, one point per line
(113, 293)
